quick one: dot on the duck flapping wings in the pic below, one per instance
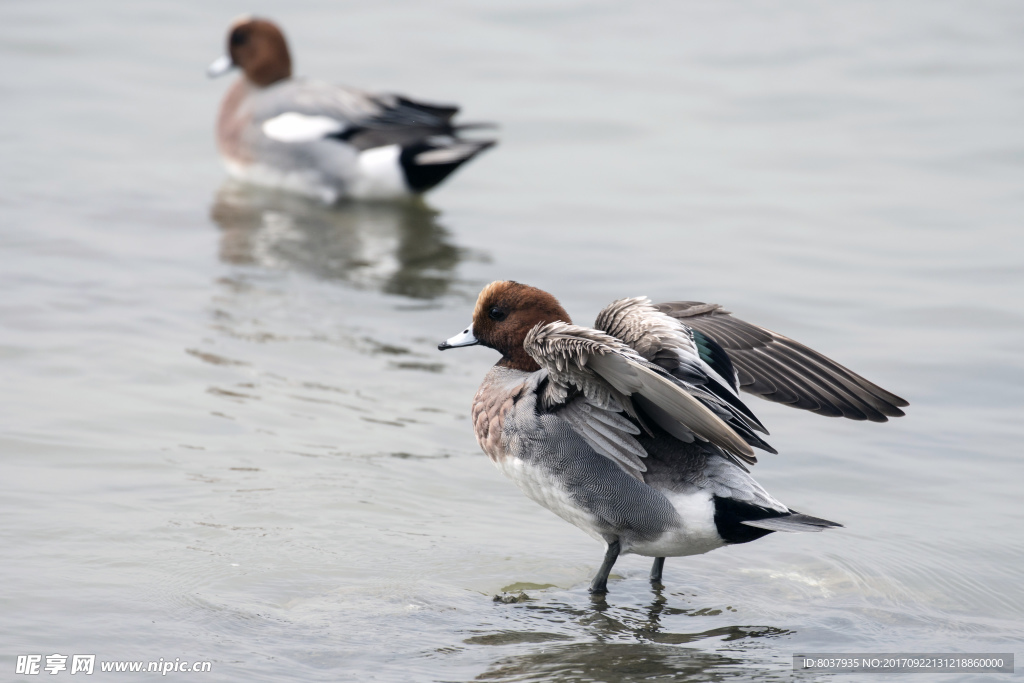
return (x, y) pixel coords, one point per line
(681, 366)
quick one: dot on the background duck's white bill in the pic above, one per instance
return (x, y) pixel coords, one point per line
(464, 338)
(219, 66)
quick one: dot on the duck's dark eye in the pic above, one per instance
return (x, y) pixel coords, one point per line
(239, 37)
(497, 314)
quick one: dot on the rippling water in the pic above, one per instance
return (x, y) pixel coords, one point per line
(227, 434)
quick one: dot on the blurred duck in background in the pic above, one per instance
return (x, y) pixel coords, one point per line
(323, 140)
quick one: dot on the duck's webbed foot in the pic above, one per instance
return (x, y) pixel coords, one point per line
(600, 582)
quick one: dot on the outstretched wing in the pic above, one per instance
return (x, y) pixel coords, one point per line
(780, 369)
(612, 376)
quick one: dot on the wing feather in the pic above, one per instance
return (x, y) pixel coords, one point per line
(608, 433)
(781, 369)
(608, 373)
(364, 120)
(690, 357)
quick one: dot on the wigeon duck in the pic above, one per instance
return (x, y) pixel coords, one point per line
(324, 140)
(634, 430)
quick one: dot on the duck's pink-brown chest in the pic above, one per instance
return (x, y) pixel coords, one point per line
(231, 123)
(491, 404)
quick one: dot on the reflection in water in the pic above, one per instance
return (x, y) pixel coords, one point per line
(398, 248)
(613, 662)
(624, 643)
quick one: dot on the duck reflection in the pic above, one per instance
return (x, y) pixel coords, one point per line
(398, 248)
(614, 662)
(622, 643)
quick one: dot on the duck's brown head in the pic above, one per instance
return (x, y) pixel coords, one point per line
(505, 313)
(259, 49)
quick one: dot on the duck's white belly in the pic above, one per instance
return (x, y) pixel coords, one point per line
(379, 174)
(375, 174)
(693, 533)
(305, 182)
(542, 489)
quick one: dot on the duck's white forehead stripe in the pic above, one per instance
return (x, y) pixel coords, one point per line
(241, 19)
(486, 294)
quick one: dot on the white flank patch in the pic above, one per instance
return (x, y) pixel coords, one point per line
(696, 535)
(294, 127)
(379, 174)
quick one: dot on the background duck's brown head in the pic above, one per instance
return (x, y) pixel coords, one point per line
(259, 49)
(505, 312)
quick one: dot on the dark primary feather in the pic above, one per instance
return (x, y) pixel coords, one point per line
(718, 360)
(715, 356)
(439, 111)
(783, 370)
(402, 121)
(700, 365)
(400, 111)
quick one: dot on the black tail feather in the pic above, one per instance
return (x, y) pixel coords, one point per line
(426, 164)
(476, 125)
(740, 522)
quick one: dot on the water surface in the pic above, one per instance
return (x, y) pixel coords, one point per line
(227, 434)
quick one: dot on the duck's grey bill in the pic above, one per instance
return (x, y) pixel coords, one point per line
(220, 66)
(464, 338)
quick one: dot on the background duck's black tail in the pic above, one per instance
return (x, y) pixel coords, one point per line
(476, 125)
(426, 163)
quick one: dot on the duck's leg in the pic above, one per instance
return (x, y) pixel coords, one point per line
(659, 564)
(600, 582)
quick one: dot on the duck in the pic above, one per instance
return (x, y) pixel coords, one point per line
(323, 140)
(634, 430)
